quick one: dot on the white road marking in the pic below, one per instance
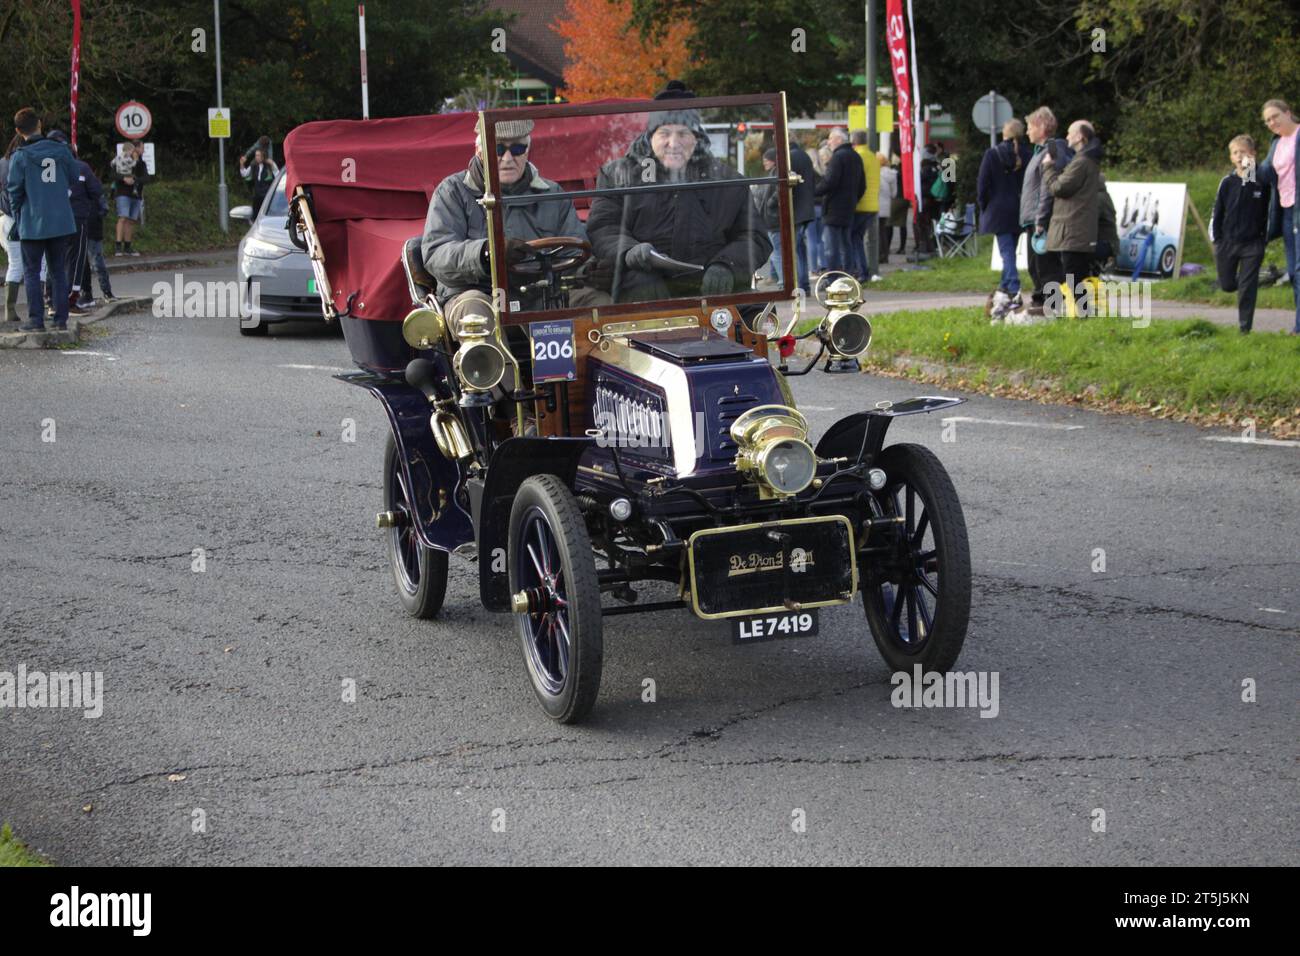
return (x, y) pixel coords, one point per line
(1238, 440)
(1002, 421)
(105, 355)
(316, 368)
(817, 408)
(1273, 610)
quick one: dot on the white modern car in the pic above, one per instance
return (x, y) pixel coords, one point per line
(270, 265)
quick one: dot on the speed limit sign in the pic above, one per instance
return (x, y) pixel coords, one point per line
(133, 120)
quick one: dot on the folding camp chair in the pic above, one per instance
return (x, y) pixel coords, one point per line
(956, 237)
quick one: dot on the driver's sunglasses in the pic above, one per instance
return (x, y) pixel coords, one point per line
(516, 149)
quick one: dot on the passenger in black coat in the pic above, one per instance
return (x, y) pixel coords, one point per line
(720, 229)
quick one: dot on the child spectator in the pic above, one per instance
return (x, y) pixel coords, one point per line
(261, 173)
(1239, 228)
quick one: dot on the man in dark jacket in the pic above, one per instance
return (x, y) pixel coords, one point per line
(455, 245)
(804, 207)
(841, 188)
(719, 229)
(40, 175)
(85, 198)
(1002, 173)
(1076, 203)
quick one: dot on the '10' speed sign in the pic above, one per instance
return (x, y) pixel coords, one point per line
(133, 120)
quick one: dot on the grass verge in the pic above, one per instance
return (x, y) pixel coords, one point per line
(1189, 370)
(974, 275)
(13, 853)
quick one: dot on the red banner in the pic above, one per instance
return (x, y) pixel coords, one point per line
(76, 70)
(896, 37)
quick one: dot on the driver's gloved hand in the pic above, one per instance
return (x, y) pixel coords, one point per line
(717, 280)
(517, 250)
(639, 257)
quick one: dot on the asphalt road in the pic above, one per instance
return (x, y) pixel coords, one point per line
(1119, 691)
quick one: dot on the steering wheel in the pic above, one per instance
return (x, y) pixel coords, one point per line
(554, 255)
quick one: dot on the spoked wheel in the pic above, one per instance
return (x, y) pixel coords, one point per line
(917, 598)
(419, 572)
(553, 581)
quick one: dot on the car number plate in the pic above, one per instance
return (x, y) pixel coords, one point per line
(311, 286)
(554, 357)
(772, 627)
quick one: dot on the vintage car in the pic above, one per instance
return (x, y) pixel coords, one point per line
(578, 417)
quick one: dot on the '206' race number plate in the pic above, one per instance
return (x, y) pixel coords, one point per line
(554, 357)
(772, 627)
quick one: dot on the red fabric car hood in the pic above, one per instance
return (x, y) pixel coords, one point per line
(371, 182)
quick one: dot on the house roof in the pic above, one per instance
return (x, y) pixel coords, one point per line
(531, 45)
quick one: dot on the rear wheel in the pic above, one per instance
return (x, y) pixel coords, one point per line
(552, 567)
(917, 598)
(420, 572)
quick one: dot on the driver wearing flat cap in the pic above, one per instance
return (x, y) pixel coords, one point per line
(455, 246)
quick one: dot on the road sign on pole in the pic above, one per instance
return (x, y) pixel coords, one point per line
(133, 120)
(991, 112)
(218, 123)
(223, 197)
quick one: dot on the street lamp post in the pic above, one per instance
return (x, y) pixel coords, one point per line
(871, 76)
(223, 198)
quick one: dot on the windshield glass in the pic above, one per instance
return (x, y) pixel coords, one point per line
(684, 202)
(279, 203)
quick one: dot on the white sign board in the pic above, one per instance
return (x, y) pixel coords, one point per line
(133, 120)
(991, 112)
(1022, 255)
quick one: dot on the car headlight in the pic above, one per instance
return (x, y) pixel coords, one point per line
(846, 333)
(788, 465)
(479, 364)
(261, 249)
(773, 449)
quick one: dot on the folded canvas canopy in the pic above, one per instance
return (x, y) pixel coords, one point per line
(370, 183)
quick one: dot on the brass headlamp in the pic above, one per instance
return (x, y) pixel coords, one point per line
(774, 449)
(480, 361)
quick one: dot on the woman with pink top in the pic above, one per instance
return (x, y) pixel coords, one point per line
(1280, 166)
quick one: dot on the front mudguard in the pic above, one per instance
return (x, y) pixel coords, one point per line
(434, 480)
(860, 437)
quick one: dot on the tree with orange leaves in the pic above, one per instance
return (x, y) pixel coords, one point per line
(607, 57)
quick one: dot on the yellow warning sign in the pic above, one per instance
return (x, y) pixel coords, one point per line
(219, 124)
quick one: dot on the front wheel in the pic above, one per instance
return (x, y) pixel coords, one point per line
(917, 597)
(553, 580)
(419, 572)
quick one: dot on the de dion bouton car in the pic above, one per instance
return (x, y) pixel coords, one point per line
(580, 413)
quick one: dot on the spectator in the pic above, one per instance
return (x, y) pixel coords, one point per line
(865, 235)
(888, 188)
(1239, 228)
(843, 186)
(261, 174)
(926, 207)
(1001, 175)
(1107, 230)
(265, 145)
(85, 196)
(1280, 167)
(769, 205)
(804, 211)
(129, 176)
(901, 208)
(13, 249)
(1074, 188)
(94, 263)
(817, 233)
(1041, 128)
(40, 175)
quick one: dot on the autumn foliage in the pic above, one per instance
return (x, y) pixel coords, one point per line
(608, 58)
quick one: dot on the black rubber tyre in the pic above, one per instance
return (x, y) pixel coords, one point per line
(918, 604)
(550, 556)
(260, 329)
(420, 573)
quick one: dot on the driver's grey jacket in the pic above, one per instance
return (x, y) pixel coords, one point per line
(455, 230)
